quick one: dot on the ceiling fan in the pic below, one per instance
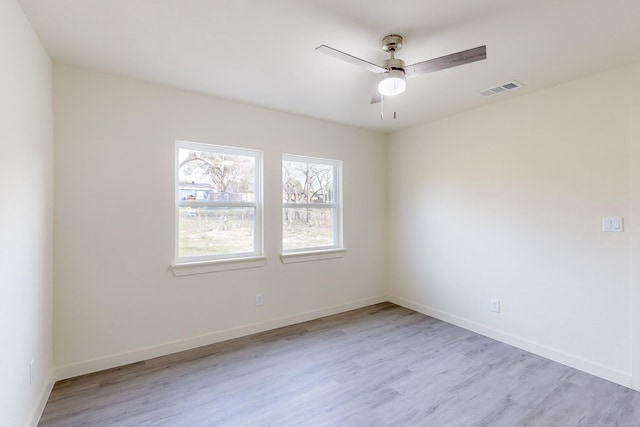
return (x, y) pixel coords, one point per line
(394, 72)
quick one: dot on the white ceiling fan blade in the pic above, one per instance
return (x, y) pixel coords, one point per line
(453, 60)
(351, 59)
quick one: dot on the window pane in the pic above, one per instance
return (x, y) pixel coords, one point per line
(217, 177)
(307, 183)
(307, 228)
(215, 231)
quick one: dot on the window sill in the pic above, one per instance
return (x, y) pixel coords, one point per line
(202, 267)
(292, 257)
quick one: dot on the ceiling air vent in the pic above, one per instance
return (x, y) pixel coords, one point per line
(504, 87)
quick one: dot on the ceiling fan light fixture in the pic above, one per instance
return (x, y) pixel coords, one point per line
(393, 83)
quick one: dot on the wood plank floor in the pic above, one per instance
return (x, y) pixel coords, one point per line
(382, 365)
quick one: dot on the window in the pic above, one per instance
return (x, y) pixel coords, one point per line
(311, 204)
(218, 202)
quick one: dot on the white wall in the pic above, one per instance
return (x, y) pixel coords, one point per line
(506, 202)
(115, 299)
(26, 171)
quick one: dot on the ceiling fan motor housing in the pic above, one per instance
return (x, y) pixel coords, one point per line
(394, 64)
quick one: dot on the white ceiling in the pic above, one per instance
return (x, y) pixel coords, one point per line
(261, 52)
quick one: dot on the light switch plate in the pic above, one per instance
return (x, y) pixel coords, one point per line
(612, 224)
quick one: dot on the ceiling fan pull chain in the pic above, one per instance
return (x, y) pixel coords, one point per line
(381, 107)
(394, 115)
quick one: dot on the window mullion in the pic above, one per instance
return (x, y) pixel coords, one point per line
(309, 206)
(195, 204)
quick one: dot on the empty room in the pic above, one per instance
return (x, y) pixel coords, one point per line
(320, 213)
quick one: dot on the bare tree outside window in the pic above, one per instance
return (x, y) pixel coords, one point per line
(310, 203)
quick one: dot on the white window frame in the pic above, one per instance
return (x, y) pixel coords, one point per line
(231, 261)
(336, 250)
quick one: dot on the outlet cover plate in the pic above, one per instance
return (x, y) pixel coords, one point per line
(495, 305)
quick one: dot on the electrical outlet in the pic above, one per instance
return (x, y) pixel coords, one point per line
(495, 305)
(259, 300)
(31, 370)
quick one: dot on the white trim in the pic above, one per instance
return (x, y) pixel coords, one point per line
(634, 234)
(224, 149)
(36, 414)
(290, 257)
(301, 158)
(115, 360)
(212, 266)
(573, 361)
(94, 365)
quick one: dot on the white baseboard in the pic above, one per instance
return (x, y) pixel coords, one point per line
(94, 365)
(613, 375)
(36, 413)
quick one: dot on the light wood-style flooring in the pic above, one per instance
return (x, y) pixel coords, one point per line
(382, 365)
